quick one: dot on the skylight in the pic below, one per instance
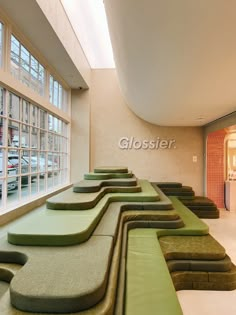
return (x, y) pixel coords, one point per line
(88, 19)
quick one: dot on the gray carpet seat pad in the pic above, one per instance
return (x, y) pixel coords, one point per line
(86, 186)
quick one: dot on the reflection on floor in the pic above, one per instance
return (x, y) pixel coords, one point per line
(215, 302)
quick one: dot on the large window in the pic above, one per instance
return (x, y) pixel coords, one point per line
(58, 95)
(33, 150)
(26, 68)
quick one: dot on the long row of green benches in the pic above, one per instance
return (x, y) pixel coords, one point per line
(112, 244)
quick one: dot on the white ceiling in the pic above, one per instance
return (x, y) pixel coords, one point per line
(176, 60)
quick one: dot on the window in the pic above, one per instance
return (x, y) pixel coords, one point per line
(1, 43)
(26, 68)
(58, 95)
(33, 150)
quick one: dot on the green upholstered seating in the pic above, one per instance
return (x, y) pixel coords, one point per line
(203, 207)
(67, 227)
(101, 176)
(111, 169)
(191, 247)
(86, 186)
(86, 239)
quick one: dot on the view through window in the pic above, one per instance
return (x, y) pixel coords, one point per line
(33, 150)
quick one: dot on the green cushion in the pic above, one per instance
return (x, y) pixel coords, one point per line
(221, 265)
(203, 247)
(98, 176)
(71, 200)
(149, 288)
(111, 169)
(198, 200)
(79, 201)
(96, 185)
(67, 227)
(64, 281)
(168, 184)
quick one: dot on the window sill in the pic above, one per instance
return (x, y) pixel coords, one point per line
(18, 211)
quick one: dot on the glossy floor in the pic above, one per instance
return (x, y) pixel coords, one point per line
(215, 302)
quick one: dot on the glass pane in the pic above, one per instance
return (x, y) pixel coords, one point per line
(25, 112)
(50, 122)
(25, 188)
(55, 93)
(14, 106)
(2, 133)
(25, 59)
(60, 96)
(42, 119)
(15, 49)
(34, 65)
(25, 136)
(34, 162)
(34, 138)
(2, 107)
(50, 141)
(1, 43)
(56, 143)
(56, 180)
(42, 140)
(34, 115)
(13, 194)
(34, 184)
(13, 134)
(51, 89)
(42, 163)
(42, 182)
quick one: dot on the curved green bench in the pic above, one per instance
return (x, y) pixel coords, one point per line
(67, 227)
(87, 186)
(105, 228)
(77, 259)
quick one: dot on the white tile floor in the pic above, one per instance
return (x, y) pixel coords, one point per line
(215, 302)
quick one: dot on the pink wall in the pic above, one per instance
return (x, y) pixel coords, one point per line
(215, 167)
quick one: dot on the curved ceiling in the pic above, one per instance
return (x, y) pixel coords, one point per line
(176, 60)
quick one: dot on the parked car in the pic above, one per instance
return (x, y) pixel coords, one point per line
(11, 172)
(43, 166)
(25, 168)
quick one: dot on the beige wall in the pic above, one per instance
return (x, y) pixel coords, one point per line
(111, 119)
(80, 135)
